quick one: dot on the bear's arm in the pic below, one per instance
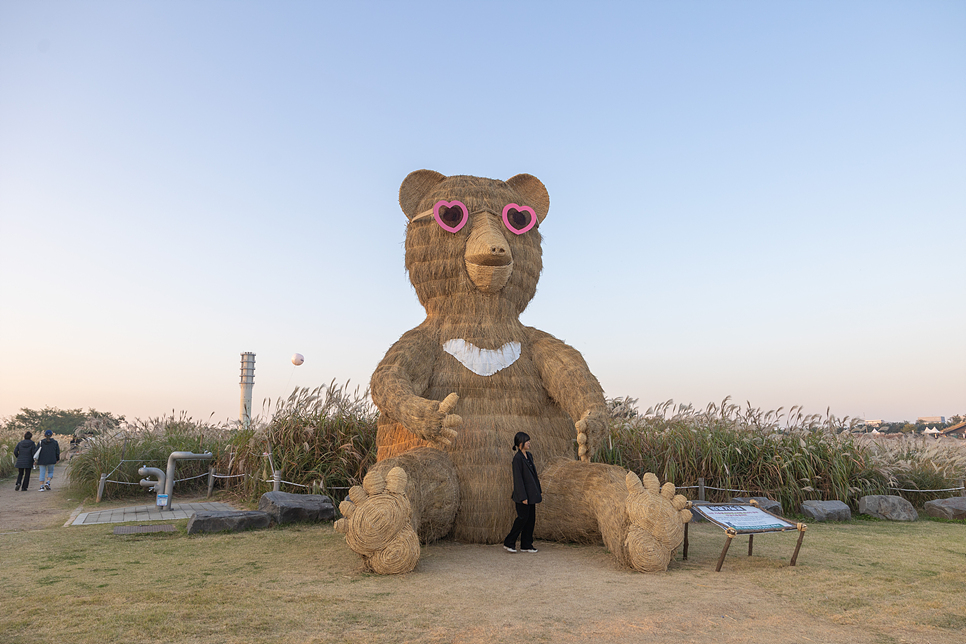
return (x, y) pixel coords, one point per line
(570, 383)
(401, 378)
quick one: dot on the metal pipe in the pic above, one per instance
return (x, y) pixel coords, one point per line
(153, 486)
(169, 476)
(277, 481)
(211, 481)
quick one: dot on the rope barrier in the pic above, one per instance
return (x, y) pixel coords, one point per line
(272, 481)
(948, 489)
(897, 489)
(191, 478)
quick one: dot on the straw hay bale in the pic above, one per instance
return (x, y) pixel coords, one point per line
(399, 556)
(376, 522)
(396, 480)
(347, 508)
(357, 495)
(647, 555)
(432, 489)
(374, 483)
(450, 429)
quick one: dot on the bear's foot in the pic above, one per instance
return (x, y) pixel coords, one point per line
(377, 523)
(657, 517)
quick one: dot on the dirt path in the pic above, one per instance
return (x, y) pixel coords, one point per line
(33, 509)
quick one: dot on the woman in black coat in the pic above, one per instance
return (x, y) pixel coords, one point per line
(24, 451)
(526, 495)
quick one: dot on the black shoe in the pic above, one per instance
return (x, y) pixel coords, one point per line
(17, 489)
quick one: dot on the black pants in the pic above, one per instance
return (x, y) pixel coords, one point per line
(522, 527)
(23, 473)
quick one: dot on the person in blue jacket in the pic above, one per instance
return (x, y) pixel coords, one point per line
(526, 495)
(24, 452)
(49, 454)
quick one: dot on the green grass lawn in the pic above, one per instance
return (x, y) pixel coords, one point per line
(865, 581)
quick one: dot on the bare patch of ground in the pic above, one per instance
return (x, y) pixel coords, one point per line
(33, 509)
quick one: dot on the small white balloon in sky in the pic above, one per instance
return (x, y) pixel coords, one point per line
(298, 359)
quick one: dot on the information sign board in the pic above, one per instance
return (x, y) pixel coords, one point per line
(743, 518)
(737, 519)
(162, 500)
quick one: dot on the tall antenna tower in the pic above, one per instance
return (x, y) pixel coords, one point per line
(247, 382)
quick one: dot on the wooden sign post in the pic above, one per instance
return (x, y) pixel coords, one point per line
(735, 519)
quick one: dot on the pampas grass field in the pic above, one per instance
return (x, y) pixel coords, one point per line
(325, 437)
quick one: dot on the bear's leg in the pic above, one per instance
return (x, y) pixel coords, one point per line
(641, 523)
(403, 500)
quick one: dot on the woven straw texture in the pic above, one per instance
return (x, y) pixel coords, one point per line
(474, 284)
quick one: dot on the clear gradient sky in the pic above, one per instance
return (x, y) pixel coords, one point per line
(756, 199)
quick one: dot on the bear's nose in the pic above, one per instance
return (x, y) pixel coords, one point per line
(486, 245)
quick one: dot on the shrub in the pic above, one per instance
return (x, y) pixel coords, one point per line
(119, 453)
(790, 457)
(919, 463)
(325, 436)
(8, 441)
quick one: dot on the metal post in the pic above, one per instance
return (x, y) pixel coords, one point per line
(962, 484)
(751, 542)
(100, 488)
(211, 481)
(277, 476)
(701, 489)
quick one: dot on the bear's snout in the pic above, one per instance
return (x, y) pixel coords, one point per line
(489, 261)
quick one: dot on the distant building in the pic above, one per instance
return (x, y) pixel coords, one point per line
(931, 420)
(958, 431)
(871, 423)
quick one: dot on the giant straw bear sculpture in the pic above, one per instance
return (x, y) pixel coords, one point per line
(455, 390)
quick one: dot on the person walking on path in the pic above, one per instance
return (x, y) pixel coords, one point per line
(47, 456)
(24, 453)
(526, 495)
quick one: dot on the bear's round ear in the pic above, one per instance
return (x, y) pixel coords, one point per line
(414, 187)
(533, 192)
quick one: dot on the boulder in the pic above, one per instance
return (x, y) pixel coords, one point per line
(826, 510)
(766, 504)
(228, 521)
(952, 508)
(290, 508)
(890, 508)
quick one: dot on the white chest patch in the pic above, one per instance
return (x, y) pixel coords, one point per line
(482, 362)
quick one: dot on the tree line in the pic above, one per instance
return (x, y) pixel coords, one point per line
(60, 421)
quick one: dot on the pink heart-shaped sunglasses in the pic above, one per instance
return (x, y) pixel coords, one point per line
(453, 215)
